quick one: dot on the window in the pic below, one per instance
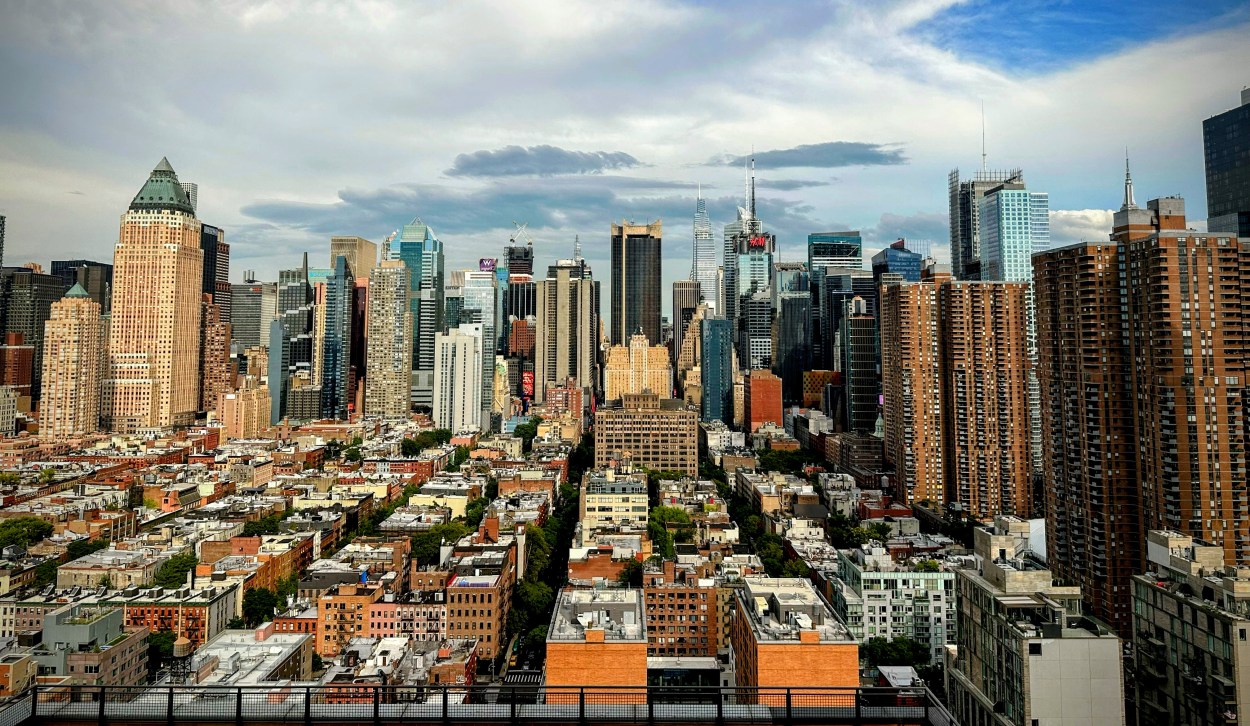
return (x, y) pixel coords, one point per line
(1035, 648)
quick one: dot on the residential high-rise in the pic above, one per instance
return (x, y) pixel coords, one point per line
(970, 444)
(911, 382)
(703, 267)
(482, 295)
(1093, 503)
(422, 253)
(899, 260)
(755, 330)
(73, 359)
(253, 306)
(336, 348)
(389, 361)
(26, 299)
(649, 431)
(717, 370)
(636, 257)
(686, 298)
(96, 278)
(859, 348)
(215, 277)
(153, 349)
(762, 396)
(566, 336)
(17, 363)
(291, 341)
(636, 368)
(965, 204)
(1187, 342)
(216, 371)
(244, 414)
(1228, 169)
(458, 378)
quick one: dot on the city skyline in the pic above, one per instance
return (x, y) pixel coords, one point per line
(867, 167)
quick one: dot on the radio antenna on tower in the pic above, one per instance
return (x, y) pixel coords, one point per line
(577, 248)
(983, 134)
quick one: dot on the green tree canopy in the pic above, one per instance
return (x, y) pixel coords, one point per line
(83, 547)
(173, 574)
(901, 651)
(258, 606)
(23, 531)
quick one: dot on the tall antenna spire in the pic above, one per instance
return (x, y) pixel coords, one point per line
(577, 247)
(752, 199)
(746, 183)
(1128, 185)
(983, 134)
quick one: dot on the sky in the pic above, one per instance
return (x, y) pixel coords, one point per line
(303, 120)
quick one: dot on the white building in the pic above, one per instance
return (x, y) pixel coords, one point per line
(458, 378)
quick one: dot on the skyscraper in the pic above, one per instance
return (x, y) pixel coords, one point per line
(96, 278)
(792, 337)
(838, 287)
(26, 299)
(703, 267)
(899, 260)
(859, 348)
(153, 350)
(291, 341)
(360, 253)
(566, 335)
(636, 256)
(830, 254)
(482, 295)
(1227, 158)
(717, 371)
(458, 378)
(422, 253)
(216, 371)
(215, 276)
(73, 359)
(389, 361)
(965, 228)
(1093, 504)
(975, 434)
(336, 349)
(519, 259)
(686, 298)
(253, 306)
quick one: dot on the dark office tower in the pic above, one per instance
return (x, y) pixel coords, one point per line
(899, 260)
(965, 227)
(253, 306)
(755, 330)
(717, 371)
(336, 400)
(1188, 337)
(1093, 506)
(859, 349)
(95, 278)
(453, 308)
(519, 259)
(216, 272)
(792, 329)
(291, 341)
(422, 253)
(636, 253)
(26, 299)
(839, 286)
(686, 298)
(829, 253)
(518, 301)
(1226, 146)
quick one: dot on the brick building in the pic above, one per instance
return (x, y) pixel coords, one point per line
(650, 432)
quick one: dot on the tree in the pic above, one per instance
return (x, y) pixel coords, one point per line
(10, 477)
(173, 574)
(537, 551)
(795, 568)
(901, 651)
(526, 432)
(425, 440)
(236, 624)
(352, 453)
(47, 475)
(461, 455)
(536, 639)
(928, 566)
(317, 663)
(425, 546)
(160, 649)
(83, 547)
(631, 573)
(288, 587)
(45, 573)
(476, 509)
(264, 525)
(259, 604)
(880, 531)
(23, 531)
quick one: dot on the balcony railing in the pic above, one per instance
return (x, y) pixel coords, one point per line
(507, 704)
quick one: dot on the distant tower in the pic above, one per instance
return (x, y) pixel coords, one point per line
(388, 363)
(153, 353)
(1228, 169)
(73, 345)
(703, 267)
(422, 253)
(636, 255)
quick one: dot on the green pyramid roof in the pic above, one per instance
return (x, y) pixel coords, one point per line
(76, 291)
(162, 192)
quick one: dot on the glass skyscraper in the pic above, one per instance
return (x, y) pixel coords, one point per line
(636, 253)
(290, 338)
(336, 350)
(1226, 149)
(481, 293)
(703, 268)
(829, 253)
(717, 371)
(422, 254)
(899, 260)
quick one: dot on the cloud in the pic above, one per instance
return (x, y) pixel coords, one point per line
(829, 155)
(789, 185)
(1079, 225)
(542, 160)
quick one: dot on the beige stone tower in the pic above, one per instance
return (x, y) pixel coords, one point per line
(388, 361)
(73, 356)
(637, 367)
(154, 339)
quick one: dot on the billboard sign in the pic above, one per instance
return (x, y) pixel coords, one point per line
(527, 384)
(486, 264)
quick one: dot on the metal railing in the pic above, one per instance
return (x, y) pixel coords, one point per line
(489, 704)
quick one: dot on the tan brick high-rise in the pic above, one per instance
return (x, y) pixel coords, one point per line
(635, 368)
(956, 411)
(388, 361)
(73, 356)
(154, 348)
(216, 371)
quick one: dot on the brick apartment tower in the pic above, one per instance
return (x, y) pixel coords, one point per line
(1093, 513)
(216, 370)
(153, 352)
(763, 399)
(975, 441)
(73, 356)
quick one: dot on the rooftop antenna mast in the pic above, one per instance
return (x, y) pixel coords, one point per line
(752, 182)
(577, 248)
(983, 134)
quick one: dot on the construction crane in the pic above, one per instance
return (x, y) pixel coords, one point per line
(521, 233)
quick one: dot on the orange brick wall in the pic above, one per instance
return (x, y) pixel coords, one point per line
(772, 665)
(598, 664)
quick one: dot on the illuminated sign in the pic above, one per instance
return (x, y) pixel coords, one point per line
(758, 242)
(486, 264)
(527, 384)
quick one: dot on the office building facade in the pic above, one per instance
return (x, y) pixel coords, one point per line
(566, 335)
(637, 251)
(1227, 157)
(422, 253)
(965, 226)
